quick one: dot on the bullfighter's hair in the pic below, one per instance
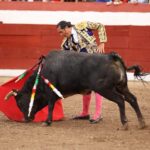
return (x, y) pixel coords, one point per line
(63, 24)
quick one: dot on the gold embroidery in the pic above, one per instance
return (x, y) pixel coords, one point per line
(81, 26)
(85, 35)
(84, 39)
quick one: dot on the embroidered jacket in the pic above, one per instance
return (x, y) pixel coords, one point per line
(86, 39)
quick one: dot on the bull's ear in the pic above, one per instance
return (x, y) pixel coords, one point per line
(14, 92)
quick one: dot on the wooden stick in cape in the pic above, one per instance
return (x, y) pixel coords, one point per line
(55, 90)
(34, 90)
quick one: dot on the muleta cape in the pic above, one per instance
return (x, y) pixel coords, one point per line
(10, 109)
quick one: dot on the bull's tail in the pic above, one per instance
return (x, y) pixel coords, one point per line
(137, 69)
(117, 57)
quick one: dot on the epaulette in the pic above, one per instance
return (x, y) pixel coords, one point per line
(81, 26)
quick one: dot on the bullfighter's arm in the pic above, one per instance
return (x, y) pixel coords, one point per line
(64, 45)
(94, 26)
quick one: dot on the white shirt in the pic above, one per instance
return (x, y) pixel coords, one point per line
(75, 36)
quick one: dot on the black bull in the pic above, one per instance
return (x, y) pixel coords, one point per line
(77, 73)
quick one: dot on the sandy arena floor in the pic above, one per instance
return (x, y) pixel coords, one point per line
(81, 135)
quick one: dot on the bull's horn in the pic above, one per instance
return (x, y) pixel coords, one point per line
(11, 93)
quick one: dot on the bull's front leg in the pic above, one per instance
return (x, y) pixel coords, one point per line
(51, 103)
(50, 113)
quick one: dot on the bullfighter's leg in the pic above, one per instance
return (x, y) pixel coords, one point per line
(132, 100)
(85, 108)
(114, 96)
(98, 109)
(86, 102)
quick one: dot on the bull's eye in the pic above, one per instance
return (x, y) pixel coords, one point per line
(19, 104)
(18, 97)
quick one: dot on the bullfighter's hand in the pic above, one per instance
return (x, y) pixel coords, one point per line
(101, 48)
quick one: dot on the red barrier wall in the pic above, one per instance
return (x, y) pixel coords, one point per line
(22, 45)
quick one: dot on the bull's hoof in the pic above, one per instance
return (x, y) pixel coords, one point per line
(46, 123)
(125, 126)
(142, 124)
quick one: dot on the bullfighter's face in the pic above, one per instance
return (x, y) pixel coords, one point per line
(64, 32)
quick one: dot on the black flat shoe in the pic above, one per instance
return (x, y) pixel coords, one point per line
(87, 117)
(96, 120)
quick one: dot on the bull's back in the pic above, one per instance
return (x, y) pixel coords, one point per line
(63, 60)
(71, 69)
(74, 64)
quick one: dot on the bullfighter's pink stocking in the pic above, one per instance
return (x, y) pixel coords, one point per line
(86, 103)
(98, 107)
